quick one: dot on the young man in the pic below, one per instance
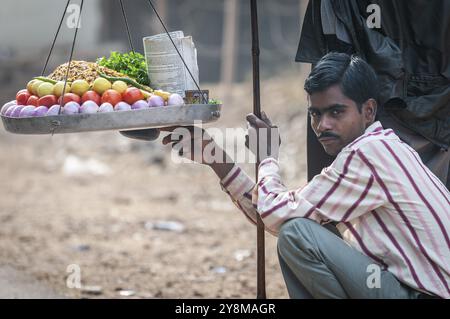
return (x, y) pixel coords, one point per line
(392, 213)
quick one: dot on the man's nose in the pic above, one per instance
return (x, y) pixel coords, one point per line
(325, 124)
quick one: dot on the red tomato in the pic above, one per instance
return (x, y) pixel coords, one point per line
(33, 100)
(91, 96)
(69, 97)
(111, 96)
(21, 91)
(22, 97)
(132, 95)
(48, 100)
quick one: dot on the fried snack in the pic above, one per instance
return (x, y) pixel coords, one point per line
(88, 71)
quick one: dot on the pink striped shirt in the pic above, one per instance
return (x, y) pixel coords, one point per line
(387, 203)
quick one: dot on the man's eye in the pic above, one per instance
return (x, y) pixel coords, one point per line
(335, 112)
(314, 114)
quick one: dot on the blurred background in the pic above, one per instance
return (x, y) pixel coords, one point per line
(137, 224)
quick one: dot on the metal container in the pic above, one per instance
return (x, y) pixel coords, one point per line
(154, 117)
(195, 96)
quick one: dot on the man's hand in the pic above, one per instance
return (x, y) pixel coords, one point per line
(197, 145)
(263, 137)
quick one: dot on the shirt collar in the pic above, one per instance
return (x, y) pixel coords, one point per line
(374, 127)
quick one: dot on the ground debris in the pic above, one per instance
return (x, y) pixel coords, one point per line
(167, 225)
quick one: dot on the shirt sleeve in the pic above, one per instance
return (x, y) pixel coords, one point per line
(240, 188)
(341, 192)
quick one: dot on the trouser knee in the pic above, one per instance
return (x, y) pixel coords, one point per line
(291, 235)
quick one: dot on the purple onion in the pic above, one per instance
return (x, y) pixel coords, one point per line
(122, 106)
(53, 110)
(10, 109)
(40, 111)
(27, 111)
(16, 111)
(139, 105)
(175, 99)
(89, 107)
(106, 107)
(155, 100)
(71, 108)
(6, 106)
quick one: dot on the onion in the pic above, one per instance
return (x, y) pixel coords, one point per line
(40, 111)
(10, 110)
(175, 99)
(122, 106)
(6, 106)
(89, 107)
(155, 100)
(71, 108)
(106, 107)
(54, 110)
(27, 111)
(139, 105)
(16, 111)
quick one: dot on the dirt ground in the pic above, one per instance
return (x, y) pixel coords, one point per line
(93, 200)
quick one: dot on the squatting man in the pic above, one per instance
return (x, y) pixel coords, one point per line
(377, 206)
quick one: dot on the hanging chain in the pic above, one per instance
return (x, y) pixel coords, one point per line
(70, 58)
(54, 39)
(171, 40)
(126, 25)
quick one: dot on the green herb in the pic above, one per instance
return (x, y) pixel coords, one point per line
(214, 101)
(131, 64)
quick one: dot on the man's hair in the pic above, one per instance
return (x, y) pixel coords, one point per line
(357, 79)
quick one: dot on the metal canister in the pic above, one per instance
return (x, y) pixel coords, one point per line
(197, 97)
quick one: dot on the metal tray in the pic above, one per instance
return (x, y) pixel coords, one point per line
(155, 117)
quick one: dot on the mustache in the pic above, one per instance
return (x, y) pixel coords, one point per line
(327, 134)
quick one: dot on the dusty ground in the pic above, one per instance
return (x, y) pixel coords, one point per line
(53, 216)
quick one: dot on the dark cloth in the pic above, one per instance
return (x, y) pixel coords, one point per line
(410, 53)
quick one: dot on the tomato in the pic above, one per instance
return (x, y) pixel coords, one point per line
(22, 97)
(48, 100)
(33, 100)
(132, 95)
(111, 96)
(21, 91)
(91, 96)
(70, 97)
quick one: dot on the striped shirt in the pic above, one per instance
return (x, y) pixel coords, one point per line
(387, 203)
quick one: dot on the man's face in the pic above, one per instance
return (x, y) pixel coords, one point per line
(336, 120)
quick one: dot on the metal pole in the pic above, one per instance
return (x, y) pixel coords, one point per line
(260, 249)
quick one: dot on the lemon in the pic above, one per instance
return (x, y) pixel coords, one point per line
(101, 85)
(79, 87)
(44, 89)
(119, 86)
(34, 86)
(30, 85)
(58, 88)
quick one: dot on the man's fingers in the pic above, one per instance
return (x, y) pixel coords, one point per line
(170, 138)
(265, 118)
(255, 121)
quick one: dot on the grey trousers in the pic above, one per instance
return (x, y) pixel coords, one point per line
(316, 263)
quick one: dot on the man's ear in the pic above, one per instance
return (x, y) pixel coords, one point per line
(370, 110)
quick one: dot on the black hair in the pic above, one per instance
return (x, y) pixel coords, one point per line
(355, 76)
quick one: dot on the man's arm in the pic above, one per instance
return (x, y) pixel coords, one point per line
(222, 169)
(233, 180)
(341, 192)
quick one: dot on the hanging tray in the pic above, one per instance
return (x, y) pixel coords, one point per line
(155, 117)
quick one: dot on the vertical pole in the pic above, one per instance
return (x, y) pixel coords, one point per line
(227, 69)
(161, 7)
(260, 249)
